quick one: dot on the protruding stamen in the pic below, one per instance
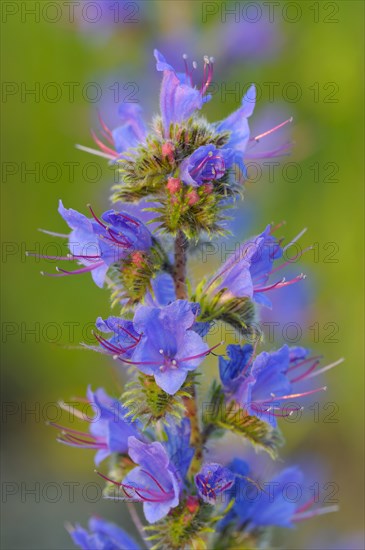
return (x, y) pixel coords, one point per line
(264, 134)
(295, 395)
(202, 354)
(317, 512)
(96, 152)
(300, 234)
(325, 369)
(103, 147)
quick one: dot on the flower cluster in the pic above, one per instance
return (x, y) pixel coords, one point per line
(176, 181)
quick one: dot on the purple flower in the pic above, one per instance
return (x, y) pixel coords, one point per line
(259, 506)
(234, 371)
(109, 429)
(179, 99)
(98, 243)
(154, 481)
(212, 480)
(169, 348)
(124, 338)
(207, 163)
(246, 273)
(262, 385)
(102, 535)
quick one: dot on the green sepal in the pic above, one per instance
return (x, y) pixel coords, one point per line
(184, 529)
(239, 313)
(148, 403)
(220, 415)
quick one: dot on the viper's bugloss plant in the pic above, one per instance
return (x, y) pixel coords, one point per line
(180, 177)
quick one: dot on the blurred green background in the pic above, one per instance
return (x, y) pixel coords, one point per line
(319, 48)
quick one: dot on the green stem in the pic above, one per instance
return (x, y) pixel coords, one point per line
(191, 404)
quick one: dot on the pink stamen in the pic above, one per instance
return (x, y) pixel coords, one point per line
(130, 334)
(107, 131)
(135, 222)
(305, 506)
(273, 129)
(96, 218)
(299, 255)
(80, 271)
(137, 491)
(103, 147)
(107, 345)
(155, 481)
(281, 284)
(65, 429)
(303, 362)
(278, 284)
(201, 354)
(295, 395)
(306, 373)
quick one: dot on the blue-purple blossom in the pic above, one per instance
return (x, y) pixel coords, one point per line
(169, 348)
(124, 338)
(179, 98)
(263, 505)
(235, 370)
(207, 163)
(247, 272)
(154, 481)
(97, 243)
(213, 480)
(262, 385)
(109, 429)
(102, 535)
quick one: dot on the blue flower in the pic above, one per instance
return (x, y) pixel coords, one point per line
(237, 124)
(109, 429)
(179, 99)
(178, 445)
(261, 506)
(124, 338)
(261, 385)
(207, 163)
(102, 535)
(246, 273)
(169, 348)
(213, 480)
(154, 481)
(233, 371)
(99, 243)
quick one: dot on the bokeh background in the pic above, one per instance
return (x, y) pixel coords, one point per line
(306, 59)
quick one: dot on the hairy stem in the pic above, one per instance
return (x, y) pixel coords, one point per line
(180, 266)
(191, 405)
